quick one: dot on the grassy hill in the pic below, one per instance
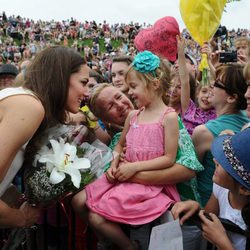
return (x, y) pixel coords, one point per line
(115, 43)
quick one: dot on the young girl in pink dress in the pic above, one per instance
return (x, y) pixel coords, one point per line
(151, 137)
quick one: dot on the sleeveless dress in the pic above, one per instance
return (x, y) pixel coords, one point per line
(186, 156)
(18, 160)
(133, 203)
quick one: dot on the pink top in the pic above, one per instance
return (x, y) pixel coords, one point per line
(133, 203)
(195, 116)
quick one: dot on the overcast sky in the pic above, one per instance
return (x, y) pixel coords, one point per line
(117, 11)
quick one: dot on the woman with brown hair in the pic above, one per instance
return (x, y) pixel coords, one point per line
(227, 97)
(54, 84)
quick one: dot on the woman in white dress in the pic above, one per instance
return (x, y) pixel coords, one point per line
(55, 83)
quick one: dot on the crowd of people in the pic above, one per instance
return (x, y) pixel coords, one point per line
(180, 144)
(21, 38)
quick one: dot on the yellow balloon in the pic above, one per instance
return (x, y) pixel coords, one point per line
(202, 17)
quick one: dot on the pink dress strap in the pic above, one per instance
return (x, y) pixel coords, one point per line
(133, 119)
(167, 110)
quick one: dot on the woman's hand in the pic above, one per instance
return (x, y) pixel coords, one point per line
(214, 231)
(187, 208)
(77, 119)
(30, 214)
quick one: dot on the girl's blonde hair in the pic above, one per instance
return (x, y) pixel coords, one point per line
(95, 94)
(162, 74)
(240, 41)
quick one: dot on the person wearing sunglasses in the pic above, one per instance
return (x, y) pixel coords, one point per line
(227, 97)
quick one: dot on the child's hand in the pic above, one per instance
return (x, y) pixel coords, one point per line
(214, 231)
(123, 154)
(110, 174)
(180, 44)
(188, 208)
(205, 49)
(125, 171)
(175, 68)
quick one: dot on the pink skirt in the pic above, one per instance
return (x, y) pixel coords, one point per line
(129, 203)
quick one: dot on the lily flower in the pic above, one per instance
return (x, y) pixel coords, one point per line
(61, 160)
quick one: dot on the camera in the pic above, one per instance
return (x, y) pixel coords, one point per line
(227, 224)
(227, 57)
(221, 31)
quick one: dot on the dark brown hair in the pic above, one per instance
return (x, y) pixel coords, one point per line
(99, 78)
(124, 58)
(48, 77)
(232, 77)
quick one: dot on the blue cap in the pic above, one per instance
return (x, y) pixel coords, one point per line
(233, 154)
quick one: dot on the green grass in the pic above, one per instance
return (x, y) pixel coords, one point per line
(115, 43)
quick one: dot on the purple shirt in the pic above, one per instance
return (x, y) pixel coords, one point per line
(195, 116)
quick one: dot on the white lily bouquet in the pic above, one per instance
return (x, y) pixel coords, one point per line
(71, 160)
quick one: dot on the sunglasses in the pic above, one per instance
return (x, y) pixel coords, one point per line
(219, 85)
